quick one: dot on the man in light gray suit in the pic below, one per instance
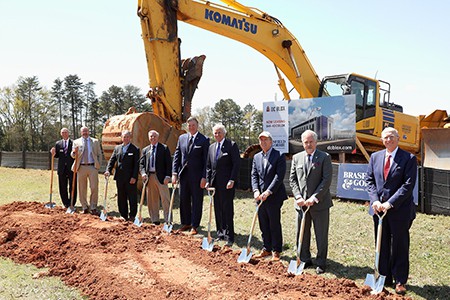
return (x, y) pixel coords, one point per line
(310, 180)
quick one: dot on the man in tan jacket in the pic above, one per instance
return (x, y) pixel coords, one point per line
(89, 158)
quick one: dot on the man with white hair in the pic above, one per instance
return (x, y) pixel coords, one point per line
(125, 159)
(89, 158)
(391, 176)
(222, 170)
(310, 180)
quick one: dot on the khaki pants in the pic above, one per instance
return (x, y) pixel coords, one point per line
(155, 191)
(83, 174)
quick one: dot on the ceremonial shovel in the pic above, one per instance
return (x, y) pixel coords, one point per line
(376, 281)
(296, 266)
(168, 225)
(208, 242)
(246, 254)
(51, 204)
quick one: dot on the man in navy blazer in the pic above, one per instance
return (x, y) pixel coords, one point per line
(189, 168)
(125, 159)
(62, 151)
(268, 170)
(310, 180)
(156, 166)
(391, 177)
(222, 170)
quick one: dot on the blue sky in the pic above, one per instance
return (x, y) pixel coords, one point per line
(403, 42)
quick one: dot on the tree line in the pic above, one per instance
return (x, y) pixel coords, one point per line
(31, 115)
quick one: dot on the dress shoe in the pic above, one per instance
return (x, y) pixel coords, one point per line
(308, 264)
(400, 289)
(193, 231)
(262, 254)
(320, 270)
(95, 212)
(85, 211)
(156, 223)
(275, 256)
(185, 228)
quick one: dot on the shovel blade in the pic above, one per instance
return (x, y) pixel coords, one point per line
(70, 210)
(295, 268)
(103, 216)
(376, 285)
(167, 227)
(137, 222)
(50, 205)
(245, 256)
(207, 245)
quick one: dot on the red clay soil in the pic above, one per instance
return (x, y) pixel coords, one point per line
(118, 260)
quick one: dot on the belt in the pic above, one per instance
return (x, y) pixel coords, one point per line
(151, 172)
(87, 164)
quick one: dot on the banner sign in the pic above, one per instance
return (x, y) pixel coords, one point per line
(351, 183)
(275, 121)
(332, 118)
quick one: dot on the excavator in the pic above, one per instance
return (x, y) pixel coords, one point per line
(173, 80)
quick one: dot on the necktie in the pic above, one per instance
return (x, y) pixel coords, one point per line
(85, 158)
(217, 151)
(387, 166)
(65, 147)
(191, 141)
(152, 159)
(308, 162)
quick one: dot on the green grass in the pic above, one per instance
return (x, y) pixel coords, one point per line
(16, 282)
(351, 239)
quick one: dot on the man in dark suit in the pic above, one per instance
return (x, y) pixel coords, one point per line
(391, 177)
(310, 180)
(155, 165)
(62, 151)
(222, 168)
(268, 169)
(189, 168)
(125, 159)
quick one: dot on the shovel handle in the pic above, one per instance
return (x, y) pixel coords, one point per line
(255, 216)
(74, 178)
(302, 231)
(378, 244)
(141, 203)
(169, 217)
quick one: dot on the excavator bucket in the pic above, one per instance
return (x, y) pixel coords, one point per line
(436, 153)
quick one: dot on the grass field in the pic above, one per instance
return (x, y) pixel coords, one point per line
(351, 252)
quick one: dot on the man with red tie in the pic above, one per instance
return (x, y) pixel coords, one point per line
(391, 177)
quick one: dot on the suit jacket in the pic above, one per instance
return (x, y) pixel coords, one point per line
(270, 178)
(126, 164)
(312, 181)
(227, 165)
(399, 185)
(193, 161)
(65, 161)
(96, 152)
(163, 162)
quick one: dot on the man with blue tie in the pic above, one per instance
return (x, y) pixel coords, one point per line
(62, 151)
(222, 170)
(189, 168)
(155, 166)
(268, 170)
(391, 176)
(125, 158)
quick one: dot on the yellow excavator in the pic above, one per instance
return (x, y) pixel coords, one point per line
(173, 81)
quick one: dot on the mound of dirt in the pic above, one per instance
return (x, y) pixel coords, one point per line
(118, 260)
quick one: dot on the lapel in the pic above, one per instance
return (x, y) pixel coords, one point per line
(305, 164)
